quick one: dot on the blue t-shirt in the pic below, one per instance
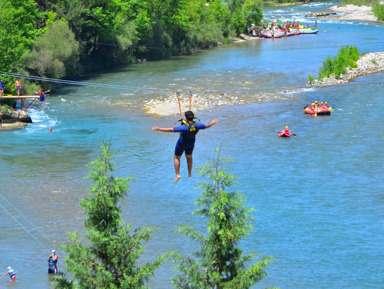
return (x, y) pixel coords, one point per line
(183, 130)
(1, 85)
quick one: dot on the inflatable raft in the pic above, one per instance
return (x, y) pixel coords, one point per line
(321, 111)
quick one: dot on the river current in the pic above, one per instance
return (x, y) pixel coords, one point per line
(319, 195)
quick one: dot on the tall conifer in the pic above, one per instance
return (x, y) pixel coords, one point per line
(220, 262)
(108, 259)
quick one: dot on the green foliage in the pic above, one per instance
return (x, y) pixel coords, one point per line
(18, 31)
(378, 11)
(311, 78)
(55, 53)
(252, 12)
(108, 33)
(109, 257)
(220, 261)
(346, 57)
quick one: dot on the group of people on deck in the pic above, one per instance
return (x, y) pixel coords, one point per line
(18, 87)
(52, 267)
(315, 106)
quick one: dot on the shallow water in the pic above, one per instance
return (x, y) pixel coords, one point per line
(319, 196)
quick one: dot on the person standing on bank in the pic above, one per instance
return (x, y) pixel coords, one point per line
(186, 142)
(52, 263)
(1, 87)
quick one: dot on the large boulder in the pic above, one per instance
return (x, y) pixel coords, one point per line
(16, 116)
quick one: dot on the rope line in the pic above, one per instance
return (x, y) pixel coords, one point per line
(92, 84)
(34, 228)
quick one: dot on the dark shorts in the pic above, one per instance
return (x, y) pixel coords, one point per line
(42, 99)
(179, 149)
(18, 88)
(52, 271)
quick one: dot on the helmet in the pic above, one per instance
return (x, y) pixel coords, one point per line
(316, 101)
(9, 268)
(286, 127)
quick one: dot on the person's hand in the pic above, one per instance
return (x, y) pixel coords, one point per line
(215, 121)
(155, 128)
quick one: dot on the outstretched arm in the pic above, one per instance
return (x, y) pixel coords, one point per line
(215, 121)
(4, 275)
(163, 129)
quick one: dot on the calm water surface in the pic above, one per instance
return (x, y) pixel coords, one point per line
(319, 196)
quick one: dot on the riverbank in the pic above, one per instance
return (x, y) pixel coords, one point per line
(369, 63)
(353, 12)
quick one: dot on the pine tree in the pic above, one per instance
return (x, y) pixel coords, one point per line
(220, 262)
(108, 258)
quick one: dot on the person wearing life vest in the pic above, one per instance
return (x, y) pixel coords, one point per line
(316, 105)
(41, 94)
(12, 274)
(186, 142)
(313, 106)
(325, 105)
(286, 131)
(52, 262)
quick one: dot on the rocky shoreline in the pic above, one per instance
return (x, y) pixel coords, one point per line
(14, 119)
(369, 63)
(353, 12)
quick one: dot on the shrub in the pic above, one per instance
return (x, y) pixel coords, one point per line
(346, 57)
(378, 11)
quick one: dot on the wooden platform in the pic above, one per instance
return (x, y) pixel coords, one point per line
(35, 98)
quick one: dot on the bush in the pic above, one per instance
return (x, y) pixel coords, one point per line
(55, 53)
(378, 11)
(346, 57)
(311, 78)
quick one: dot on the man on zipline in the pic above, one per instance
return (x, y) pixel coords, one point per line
(186, 142)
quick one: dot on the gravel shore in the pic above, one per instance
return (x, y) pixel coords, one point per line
(352, 12)
(368, 64)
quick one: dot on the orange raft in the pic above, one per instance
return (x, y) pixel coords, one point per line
(320, 111)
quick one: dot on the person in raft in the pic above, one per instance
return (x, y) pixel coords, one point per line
(12, 274)
(186, 142)
(52, 262)
(286, 131)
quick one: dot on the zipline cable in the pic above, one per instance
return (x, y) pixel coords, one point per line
(143, 89)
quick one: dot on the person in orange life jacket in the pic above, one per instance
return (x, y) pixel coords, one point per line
(322, 105)
(326, 105)
(12, 274)
(42, 96)
(316, 105)
(186, 142)
(52, 262)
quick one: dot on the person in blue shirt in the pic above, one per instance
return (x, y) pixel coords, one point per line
(52, 262)
(186, 141)
(1, 87)
(12, 274)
